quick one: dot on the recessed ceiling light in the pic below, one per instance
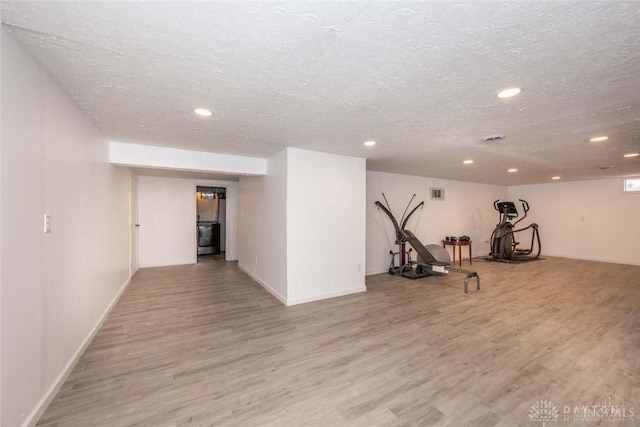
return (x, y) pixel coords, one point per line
(509, 92)
(468, 162)
(512, 170)
(370, 143)
(632, 155)
(202, 112)
(555, 177)
(599, 138)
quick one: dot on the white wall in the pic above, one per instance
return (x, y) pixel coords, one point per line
(262, 205)
(302, 226)
(167, 218)
(56, 288)
(590, 220)
(466, 210)
(326, 197)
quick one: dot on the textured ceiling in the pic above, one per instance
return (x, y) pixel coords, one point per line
(420, 78)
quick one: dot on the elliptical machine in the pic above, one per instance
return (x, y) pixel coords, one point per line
(504, 247)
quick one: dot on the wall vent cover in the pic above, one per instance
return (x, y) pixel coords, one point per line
(494, 138)
(436, 193)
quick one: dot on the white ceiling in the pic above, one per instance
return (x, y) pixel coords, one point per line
(420, 78)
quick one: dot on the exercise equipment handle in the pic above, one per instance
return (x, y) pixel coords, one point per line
(525, 207)
(406, 209)
(404, 222)
(495, 205)
(393, 220)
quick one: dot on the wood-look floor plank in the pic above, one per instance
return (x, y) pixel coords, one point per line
(203, 345)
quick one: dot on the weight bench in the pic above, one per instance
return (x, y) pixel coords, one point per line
(436, 259)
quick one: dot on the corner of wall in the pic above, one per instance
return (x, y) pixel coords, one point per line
(266, 286)
(262, 220)
(326, 196)
(51, 393)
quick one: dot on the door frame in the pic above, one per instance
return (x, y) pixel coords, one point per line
(195, 214)
(134, 264)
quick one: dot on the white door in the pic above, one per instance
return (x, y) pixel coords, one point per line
(166, 213)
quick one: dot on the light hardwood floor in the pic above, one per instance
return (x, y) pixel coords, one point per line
(203, 345)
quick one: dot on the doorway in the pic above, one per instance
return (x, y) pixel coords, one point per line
(210, 223)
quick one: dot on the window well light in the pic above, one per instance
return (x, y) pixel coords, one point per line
(202, 112)
(599, 138)
(468, 162)
(512, 170)
(509, 92)
(632, 155)
(369, 143)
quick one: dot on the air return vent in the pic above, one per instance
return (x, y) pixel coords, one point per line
(436, 193)
(494, 138)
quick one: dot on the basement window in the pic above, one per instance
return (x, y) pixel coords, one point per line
(631, 185)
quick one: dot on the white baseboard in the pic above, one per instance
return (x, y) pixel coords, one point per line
(268, 288)
(48, 397)
(170, 264)
(296, 301)
(610, 261)
(371, 273)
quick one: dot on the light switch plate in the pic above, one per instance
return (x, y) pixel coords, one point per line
(47, 223)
